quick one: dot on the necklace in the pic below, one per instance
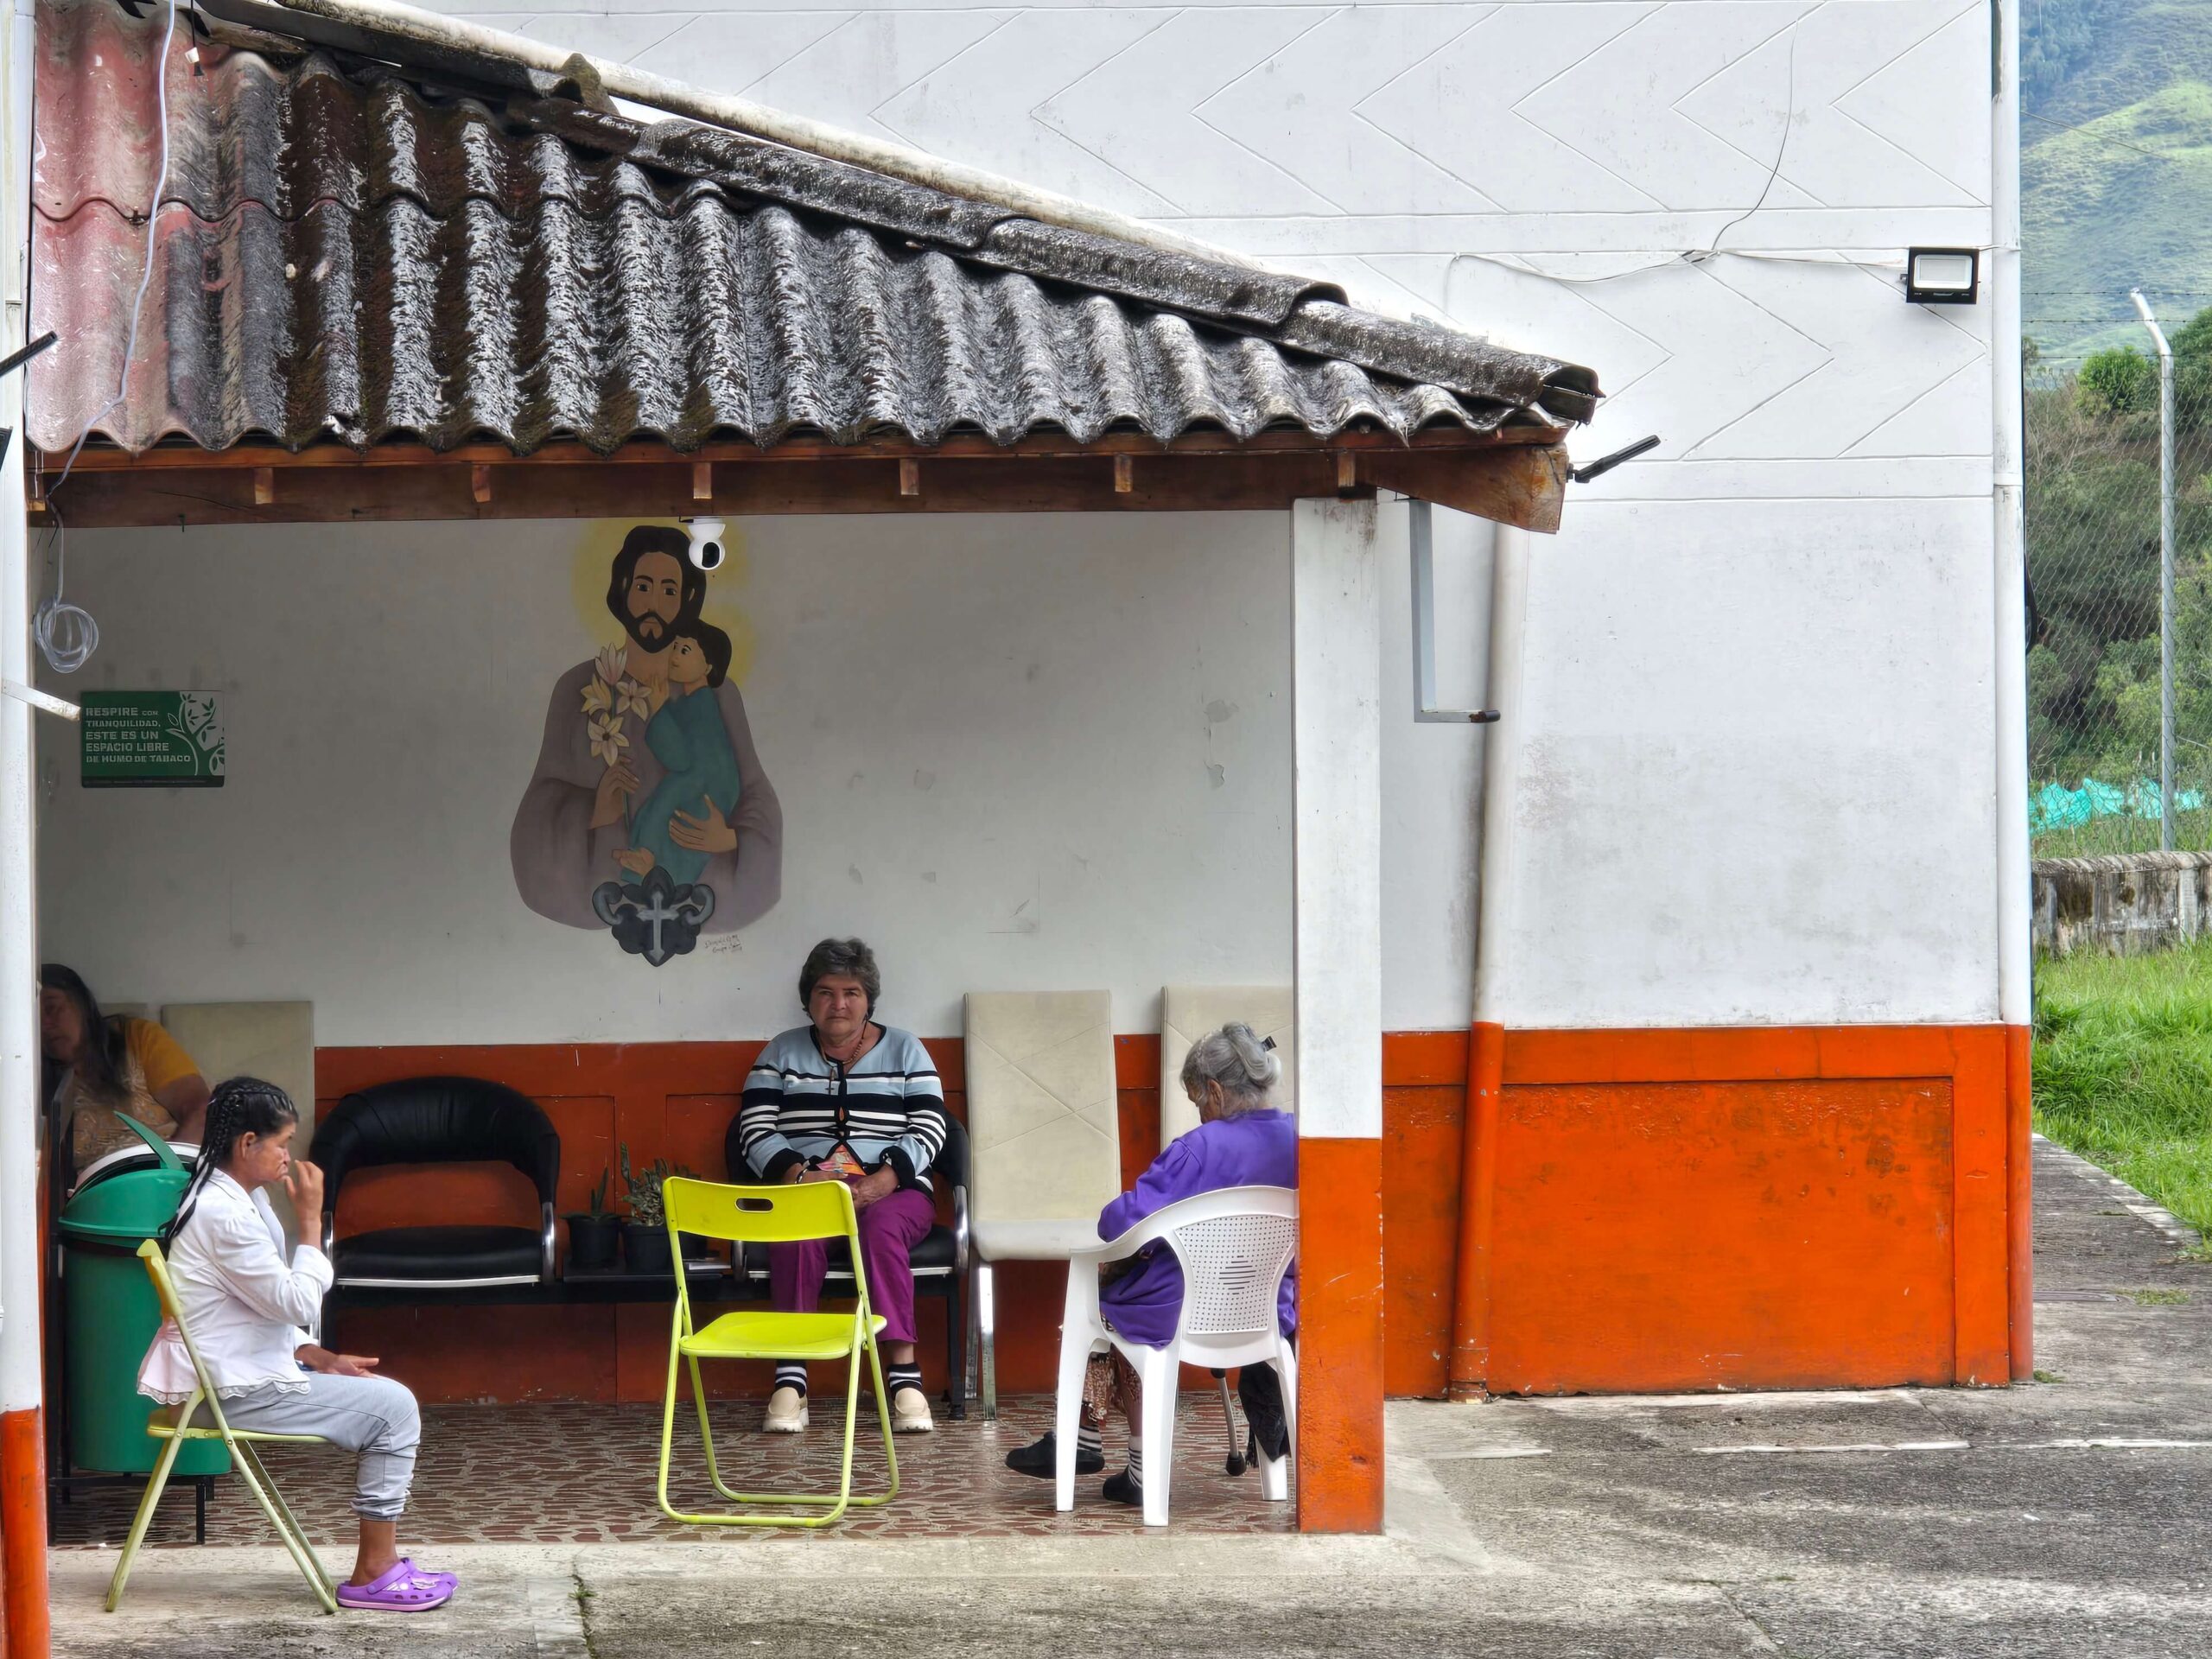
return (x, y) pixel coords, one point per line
(859, 1045)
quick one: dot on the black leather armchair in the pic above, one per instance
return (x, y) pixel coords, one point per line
(939, 1261)
(439, 1121)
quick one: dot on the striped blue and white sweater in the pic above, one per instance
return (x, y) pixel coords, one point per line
(888, 1108)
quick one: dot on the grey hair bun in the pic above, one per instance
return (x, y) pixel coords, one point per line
(1237, 1059)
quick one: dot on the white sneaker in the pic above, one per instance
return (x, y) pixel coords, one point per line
(910, 1412)
(786, 1411)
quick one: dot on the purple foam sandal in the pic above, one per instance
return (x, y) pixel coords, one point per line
(404, 1588)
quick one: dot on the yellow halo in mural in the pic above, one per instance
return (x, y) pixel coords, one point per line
(600, 539)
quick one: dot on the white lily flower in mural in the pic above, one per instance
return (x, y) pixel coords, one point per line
(612, 659)
(599, 698)
(631, 699)
(607, 740)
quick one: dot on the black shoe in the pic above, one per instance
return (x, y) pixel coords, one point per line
(1037, 1458)
(1119, 1488)
(1259, 1390)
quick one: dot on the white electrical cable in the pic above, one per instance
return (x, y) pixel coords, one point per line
(1520, 263)
(66, 633)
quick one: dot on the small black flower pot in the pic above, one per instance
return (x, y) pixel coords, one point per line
(645, 1249)
(593, 1242)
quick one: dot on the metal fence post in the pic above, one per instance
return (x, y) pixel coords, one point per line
(2165, 571)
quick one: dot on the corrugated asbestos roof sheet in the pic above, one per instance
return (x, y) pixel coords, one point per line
(347, 251)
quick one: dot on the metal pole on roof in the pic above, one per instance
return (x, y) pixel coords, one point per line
(2165, 571)
(22, 1440)
(2009, 611)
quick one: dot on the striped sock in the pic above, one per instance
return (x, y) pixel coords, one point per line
(1087, 1437)
(791, 1374)
(1136, 1461)
(896, 1376)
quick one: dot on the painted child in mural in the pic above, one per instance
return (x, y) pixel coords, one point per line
(687, 737)
(594, 802)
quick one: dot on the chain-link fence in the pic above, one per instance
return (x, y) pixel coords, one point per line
(2092, 552)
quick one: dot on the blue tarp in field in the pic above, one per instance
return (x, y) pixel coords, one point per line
(2056, 807)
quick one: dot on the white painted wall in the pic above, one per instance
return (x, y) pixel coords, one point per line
(961, 716)
(1758, 710)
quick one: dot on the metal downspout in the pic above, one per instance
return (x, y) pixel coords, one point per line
(1469, 1370)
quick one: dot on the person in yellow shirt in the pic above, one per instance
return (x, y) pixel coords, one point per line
(112, 1068)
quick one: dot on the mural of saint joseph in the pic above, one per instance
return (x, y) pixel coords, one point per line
(648, 759)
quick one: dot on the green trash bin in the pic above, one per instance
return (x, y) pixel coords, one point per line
(109, 1312)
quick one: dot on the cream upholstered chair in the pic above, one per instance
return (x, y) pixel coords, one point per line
(1044, 1128)
(274, 1042)
(1189, 1012)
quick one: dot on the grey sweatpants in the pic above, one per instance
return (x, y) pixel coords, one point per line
(371, 1415)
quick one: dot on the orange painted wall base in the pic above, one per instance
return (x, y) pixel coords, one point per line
(22, 1533)
(2019, 1197)
(1670, 1209)
(1340, 1352)
(1750, 1208)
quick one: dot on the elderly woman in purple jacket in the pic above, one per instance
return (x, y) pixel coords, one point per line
(1241, 1140)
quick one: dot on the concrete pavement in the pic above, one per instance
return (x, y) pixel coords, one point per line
(2068, 1517)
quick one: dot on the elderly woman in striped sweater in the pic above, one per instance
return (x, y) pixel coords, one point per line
(844, 1098)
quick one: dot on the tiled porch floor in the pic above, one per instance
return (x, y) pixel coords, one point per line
(584, 1474)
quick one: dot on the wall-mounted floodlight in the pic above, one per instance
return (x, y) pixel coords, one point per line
(1942, 275)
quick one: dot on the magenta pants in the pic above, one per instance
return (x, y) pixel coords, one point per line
(890, 1228)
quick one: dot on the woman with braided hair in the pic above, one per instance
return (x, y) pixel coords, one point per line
(251, 1312)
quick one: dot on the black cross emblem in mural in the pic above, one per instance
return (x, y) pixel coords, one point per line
(654, 919)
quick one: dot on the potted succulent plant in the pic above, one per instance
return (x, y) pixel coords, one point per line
(596, 1235)
(644, 1235)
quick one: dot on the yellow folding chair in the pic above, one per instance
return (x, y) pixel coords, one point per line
(241, 1442)
(771, 1215)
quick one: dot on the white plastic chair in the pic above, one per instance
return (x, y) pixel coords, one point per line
(1235, 1245)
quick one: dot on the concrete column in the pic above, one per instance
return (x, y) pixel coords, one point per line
(1337, 953)
(22, 1440)
(2015, 962)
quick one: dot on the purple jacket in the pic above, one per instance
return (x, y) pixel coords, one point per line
(1258, 1149)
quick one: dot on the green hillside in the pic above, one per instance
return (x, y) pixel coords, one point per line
(2116, 166)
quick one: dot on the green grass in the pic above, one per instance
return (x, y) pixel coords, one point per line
(2124, 833)
(2123, 1069)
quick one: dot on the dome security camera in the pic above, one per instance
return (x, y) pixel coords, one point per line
(709, 548)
